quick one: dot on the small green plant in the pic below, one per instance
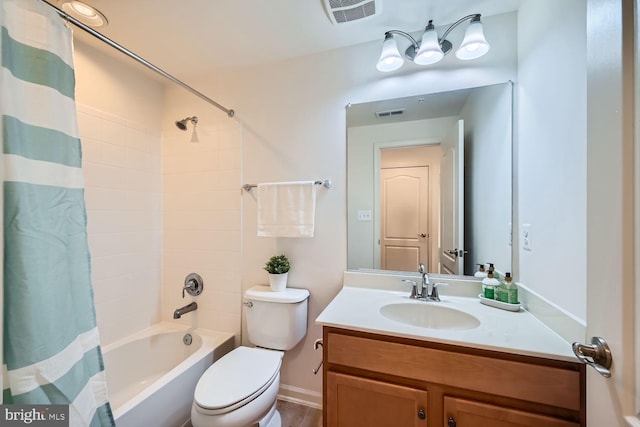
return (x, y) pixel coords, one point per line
(277, 264)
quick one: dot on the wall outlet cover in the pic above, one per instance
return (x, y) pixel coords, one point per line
(526, 237)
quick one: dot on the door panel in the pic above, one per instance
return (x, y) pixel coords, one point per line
(612, 217)
(467, 413)
(359, 402)
(404, 218)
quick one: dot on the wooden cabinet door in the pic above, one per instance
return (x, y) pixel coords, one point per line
(467, 413)
(358, 402)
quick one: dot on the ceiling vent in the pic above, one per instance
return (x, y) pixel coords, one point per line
(341, 11)
(390, 113)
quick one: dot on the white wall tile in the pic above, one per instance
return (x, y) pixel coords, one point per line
(123, 215)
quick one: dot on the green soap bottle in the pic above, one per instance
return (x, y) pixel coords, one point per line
(489, 285)
(509, 291)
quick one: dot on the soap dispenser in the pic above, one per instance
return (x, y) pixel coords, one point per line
(489, 285)
(492, 269)
(508, 291)
(481, 273)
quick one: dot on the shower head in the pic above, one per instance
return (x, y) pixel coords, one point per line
(182, 124)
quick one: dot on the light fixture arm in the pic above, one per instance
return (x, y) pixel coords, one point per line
(473, 17)
(408, 36)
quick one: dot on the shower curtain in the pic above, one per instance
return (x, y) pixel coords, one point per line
(51, 344)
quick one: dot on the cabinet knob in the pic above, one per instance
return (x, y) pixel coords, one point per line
(451, 422)
(421, 414)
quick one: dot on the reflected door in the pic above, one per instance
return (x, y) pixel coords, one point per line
(452, 200)
(404, 218)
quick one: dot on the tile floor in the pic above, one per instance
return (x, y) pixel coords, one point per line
(294, 415)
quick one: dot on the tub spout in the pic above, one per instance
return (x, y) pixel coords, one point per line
(184, 310)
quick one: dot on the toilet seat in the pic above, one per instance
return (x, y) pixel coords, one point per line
(236, 378)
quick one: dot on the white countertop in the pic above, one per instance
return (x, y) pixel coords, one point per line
(358, 308)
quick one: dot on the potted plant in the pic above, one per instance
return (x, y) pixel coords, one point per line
(278, 269)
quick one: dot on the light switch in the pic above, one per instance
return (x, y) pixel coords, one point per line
(364, 215)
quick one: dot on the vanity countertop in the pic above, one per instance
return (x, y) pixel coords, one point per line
(358, 308)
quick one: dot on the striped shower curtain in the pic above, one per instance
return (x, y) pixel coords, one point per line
(51, 343)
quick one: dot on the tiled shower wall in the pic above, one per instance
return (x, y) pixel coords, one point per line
(121, 164)
(201, 210)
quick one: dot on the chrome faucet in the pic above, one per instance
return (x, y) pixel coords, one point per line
(184, 310)
(426, 289)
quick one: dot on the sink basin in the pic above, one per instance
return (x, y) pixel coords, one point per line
(430, 316)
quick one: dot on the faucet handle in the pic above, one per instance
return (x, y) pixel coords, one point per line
(414, 289)
(193, 284)
(434, 293)
(421, 268)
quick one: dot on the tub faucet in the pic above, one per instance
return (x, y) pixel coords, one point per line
(184, 310)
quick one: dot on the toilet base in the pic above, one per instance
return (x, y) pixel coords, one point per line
(272, 419)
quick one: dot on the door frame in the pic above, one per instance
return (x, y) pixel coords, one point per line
(377, 148)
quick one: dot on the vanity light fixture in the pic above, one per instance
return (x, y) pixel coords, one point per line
(432, 48)
(182, 125)
(85, 13)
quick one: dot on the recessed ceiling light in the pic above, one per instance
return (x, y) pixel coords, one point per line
(85, 13)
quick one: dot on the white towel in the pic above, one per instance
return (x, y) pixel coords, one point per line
(286, 209)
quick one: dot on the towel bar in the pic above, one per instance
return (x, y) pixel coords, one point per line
(326, 184)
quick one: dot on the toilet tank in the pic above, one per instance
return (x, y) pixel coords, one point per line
(276, 320)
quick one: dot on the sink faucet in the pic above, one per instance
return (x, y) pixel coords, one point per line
(426, 289)
(184, 310)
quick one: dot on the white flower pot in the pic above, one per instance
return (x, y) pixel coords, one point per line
(278, 282)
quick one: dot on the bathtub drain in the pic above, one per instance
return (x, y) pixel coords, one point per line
(187, 339)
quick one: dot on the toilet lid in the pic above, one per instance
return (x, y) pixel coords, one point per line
(237, 377)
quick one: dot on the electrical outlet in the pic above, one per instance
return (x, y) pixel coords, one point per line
(526, 237)
(364, 215)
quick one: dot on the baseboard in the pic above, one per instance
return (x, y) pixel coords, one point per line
(300, 396)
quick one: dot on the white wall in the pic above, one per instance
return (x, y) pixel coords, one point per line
(294, 129)
(551, 99)
(119, 113)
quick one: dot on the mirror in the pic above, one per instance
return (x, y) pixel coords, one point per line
(429, 180)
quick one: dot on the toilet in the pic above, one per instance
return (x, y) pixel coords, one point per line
(241, 388)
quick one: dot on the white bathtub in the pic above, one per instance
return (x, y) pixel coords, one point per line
(151, 375)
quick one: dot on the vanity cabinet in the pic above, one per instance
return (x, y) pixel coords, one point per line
(378, 380)
(358, 401)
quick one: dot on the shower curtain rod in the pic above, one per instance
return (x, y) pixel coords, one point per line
(144, 62)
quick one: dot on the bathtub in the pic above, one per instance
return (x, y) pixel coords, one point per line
(151, 375)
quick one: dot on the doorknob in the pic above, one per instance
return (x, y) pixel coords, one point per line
(422, 235)
(457, 252)
(597, 355)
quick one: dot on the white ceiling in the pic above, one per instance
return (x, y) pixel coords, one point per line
(192, 38)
